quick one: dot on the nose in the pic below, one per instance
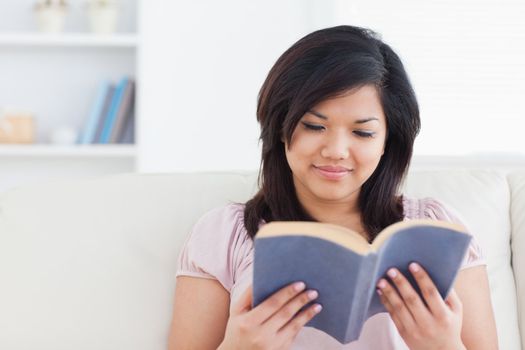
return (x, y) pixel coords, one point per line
(336, 146)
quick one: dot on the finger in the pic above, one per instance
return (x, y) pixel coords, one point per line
(398, 307)
(276, 301)
(412, 300)
(454, 302)
(435, 302)
(244, 303)
(288, 311)
(390, 309)
(293, 327)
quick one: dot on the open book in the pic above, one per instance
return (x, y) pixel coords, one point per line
(344, 268)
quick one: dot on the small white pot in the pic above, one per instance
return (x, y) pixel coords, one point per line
(103, 19)
(51, 19)
(64, 135)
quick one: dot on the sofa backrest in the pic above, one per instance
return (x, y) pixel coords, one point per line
(90, 264)
(517, 215)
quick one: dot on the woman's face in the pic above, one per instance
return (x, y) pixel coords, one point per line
(336, 146)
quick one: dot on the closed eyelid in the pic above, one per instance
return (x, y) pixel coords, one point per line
(318, 128)
(365, 133)
(312, 125)
(353, 127)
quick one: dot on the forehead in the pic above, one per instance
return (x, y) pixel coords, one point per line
(358, 103)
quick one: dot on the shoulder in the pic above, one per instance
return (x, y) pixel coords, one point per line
(220, 221)
(429, 208)
(219, 227)
(216, 246)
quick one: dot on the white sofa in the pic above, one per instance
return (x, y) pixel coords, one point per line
(90, 263)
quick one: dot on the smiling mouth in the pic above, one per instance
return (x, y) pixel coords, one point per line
(332, 173)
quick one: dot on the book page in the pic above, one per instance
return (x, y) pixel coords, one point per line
(334, 233)
(404, 225)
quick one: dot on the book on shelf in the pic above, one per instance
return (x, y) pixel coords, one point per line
(88, 134)
(128, 134)
(124, 111)
(111, 117)
(345, 269)
(104, 112)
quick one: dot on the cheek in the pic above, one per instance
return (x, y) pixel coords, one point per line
(302, 145)
(370, 153)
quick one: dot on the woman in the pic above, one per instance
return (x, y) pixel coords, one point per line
(338, 120)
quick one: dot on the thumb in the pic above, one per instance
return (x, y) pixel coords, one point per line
(245, 301)
(453, 301)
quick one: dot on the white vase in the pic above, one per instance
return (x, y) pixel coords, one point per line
(64, 135)
(103, 19)
(50, 19)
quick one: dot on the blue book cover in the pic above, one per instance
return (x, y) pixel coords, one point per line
(88, 134)
(128, 136)
(104, 113)
(111, 116)
(124, 112)
(344, 268)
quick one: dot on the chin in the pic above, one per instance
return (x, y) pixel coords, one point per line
(333, 194)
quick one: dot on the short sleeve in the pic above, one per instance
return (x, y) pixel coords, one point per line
(215, 246)
(436, 210)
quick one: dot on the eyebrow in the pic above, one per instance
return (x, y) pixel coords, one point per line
(358, 121)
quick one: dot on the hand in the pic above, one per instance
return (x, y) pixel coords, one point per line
(437, 326)
(273, 324)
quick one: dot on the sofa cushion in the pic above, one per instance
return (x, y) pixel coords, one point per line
(517, 214)
(90, 264)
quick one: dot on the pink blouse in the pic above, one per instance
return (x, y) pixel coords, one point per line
(219, 247)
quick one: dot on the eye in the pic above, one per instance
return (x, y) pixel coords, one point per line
(313, 127)
(364, 133)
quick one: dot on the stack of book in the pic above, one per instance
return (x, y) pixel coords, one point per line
(112, 116)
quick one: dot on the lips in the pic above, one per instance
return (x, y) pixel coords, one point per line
(331, 172)
(332, 169)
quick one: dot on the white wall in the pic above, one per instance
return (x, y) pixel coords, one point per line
(466, 60)
(203, 62)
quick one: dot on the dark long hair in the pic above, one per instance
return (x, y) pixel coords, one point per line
(325, 64)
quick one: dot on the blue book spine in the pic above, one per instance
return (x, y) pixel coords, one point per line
(88, 134)
(112, 113)
(364, 292)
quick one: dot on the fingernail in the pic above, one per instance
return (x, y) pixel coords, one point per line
(318, 308)
(413, 267)
(312, 294)
(381, 284)
(379, 291)
(299, 286)
(392, 273)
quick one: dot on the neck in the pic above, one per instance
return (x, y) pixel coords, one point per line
(345, 213)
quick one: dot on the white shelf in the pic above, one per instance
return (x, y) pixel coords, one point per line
(68, 40)
(87, 151)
